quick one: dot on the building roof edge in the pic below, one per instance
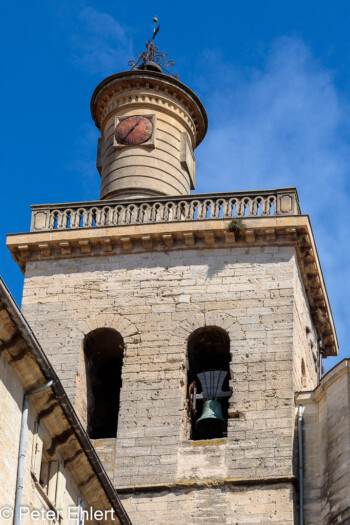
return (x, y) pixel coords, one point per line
(49, 373)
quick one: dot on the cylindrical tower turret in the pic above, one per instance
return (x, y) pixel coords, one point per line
(150, 124)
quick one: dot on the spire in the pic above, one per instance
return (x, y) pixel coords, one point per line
(152, 59)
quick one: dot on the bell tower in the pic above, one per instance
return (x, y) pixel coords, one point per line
(180, 324)
(150, 125)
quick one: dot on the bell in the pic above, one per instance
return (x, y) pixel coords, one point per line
(151, 66)
(211, 422)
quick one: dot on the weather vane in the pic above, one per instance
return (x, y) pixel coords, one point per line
(152, 59)
(155, 31)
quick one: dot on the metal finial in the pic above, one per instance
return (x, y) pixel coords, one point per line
(152, 59)
(155, 31)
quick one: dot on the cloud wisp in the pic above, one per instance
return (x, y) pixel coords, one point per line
(100, 44)
(285, 125)
(277, 125)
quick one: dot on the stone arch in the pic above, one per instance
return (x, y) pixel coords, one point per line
(115, 321)
(186, 327)
(180, 336)
(81, 329)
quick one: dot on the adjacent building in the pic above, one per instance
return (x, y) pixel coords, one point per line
(61, 479)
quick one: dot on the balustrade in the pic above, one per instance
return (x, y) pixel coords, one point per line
(166, 209)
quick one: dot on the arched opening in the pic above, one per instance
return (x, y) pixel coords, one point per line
(208, 374)
(103, 349)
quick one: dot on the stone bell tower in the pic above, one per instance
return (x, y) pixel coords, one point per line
(150, 125)
(135, 296)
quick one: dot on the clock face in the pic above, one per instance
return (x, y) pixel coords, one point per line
(134, 130)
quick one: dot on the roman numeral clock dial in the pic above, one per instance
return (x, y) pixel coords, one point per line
(134, 130)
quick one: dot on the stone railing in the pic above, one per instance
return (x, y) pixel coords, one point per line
(165, 209)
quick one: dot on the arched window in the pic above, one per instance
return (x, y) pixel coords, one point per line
(103, 349)
(208, 375)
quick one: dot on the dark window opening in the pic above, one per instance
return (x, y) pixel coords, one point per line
(208, 351)
(103, 350)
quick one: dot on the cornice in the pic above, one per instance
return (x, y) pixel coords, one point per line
(326, 382)
(172, 236)
(197, 484)
(152, 89)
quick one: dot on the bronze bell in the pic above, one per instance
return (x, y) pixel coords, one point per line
(149, 65)
(211, 422)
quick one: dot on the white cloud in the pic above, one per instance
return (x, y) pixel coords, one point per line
(101, 45)
(283, 125)
(280, 124)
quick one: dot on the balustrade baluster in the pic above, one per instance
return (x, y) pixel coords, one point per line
(52, 220)
(251, 204)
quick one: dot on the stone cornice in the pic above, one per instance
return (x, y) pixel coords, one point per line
(199, 234)
(150, 88)
(327, 380)
(196, 484)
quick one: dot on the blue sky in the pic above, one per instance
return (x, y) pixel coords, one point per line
(274, 77)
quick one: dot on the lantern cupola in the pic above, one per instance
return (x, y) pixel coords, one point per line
(150, 125)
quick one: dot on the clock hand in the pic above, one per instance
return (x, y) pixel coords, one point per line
(133, 127)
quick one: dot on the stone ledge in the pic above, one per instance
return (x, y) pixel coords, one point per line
(327, 380)
(215, 442)
(151, 88)
(208, 483)
(209, 234)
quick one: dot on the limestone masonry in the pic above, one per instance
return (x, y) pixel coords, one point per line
(133, 296)
(165, 164)
(60, 473)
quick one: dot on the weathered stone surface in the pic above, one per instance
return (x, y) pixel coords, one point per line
(162, 165)
(156, 301)
(327, 448)
(205, 506)
(138, 238)
(72, 483)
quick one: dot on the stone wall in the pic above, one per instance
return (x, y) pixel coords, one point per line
(123, 171)
(106, 450)
(205, 506)
(305, 351)
(156, 300)
(327, 448)
(11, 400)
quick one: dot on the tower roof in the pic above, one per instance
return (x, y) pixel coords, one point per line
(116, 84)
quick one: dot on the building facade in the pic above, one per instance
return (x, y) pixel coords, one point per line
(49, 472)
(135, 295)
